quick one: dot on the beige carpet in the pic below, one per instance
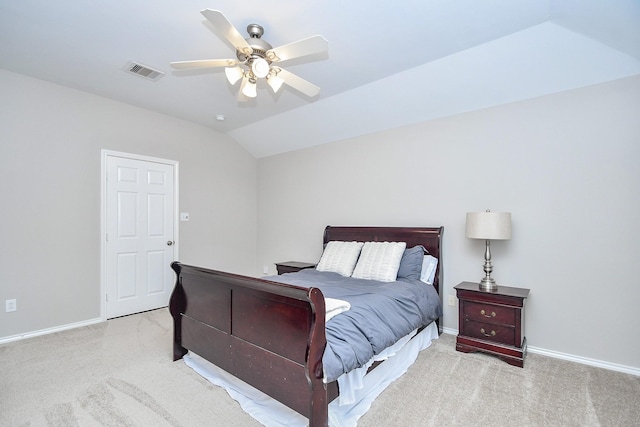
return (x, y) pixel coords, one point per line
(120, 373)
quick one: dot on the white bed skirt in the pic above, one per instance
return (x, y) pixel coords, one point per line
(357, 391)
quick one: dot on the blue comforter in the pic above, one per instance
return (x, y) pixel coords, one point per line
(381, 313)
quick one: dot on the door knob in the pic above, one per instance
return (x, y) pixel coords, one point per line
(169, 243)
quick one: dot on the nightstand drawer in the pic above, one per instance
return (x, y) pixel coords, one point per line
(489, 313)
(490, 332)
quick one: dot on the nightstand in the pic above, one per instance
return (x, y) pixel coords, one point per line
(492, 321)
(292, 266)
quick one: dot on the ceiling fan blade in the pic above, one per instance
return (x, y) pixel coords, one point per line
(227, 29)
(204, 63)
(298, 83)
(304, 47)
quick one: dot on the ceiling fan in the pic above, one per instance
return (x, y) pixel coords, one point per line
(257, 59)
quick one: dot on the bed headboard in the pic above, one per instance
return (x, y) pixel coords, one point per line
(429, 237)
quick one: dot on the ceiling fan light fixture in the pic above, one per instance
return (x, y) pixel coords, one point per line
(233, 74)
(260, 67)
(249, 88)
(275, 82)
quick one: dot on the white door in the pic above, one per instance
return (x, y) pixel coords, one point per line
(139, 235)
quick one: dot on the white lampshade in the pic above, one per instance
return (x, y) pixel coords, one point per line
(489, 225)
(234, 74)
(248, 89)
(275, 82)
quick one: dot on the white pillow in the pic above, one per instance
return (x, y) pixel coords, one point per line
(379, 261)
(429, 264)
(340, 257)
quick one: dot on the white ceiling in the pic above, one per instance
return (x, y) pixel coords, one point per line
(389, 63)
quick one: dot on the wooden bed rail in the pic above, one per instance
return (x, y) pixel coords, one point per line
(268, 334)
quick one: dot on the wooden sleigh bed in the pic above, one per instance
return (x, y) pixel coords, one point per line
(272, 335)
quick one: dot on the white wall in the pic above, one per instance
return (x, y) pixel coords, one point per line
(50, 140)
(565, 165)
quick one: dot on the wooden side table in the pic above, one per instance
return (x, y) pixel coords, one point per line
(292, 266)
(492, 321)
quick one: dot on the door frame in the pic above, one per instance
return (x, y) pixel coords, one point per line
(105, 154)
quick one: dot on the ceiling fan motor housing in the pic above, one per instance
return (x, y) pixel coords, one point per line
(259, 46)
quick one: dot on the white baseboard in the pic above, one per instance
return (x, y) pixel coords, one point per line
(585, 360)
(571, 357)
(449, 331)
(46, 331)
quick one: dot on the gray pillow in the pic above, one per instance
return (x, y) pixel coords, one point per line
(411, 263)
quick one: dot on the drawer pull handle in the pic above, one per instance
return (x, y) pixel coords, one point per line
(483, 332)
(484, 313)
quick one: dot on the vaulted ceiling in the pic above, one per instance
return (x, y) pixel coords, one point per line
(389, 63)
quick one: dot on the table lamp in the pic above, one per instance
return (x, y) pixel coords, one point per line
(488, 226)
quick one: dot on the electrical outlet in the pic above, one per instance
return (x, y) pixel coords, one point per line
(452, 300)
(10, 305)
(265, 269)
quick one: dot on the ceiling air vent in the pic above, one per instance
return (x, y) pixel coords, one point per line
(144, 71)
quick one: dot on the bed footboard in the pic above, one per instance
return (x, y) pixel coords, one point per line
(268, 334)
